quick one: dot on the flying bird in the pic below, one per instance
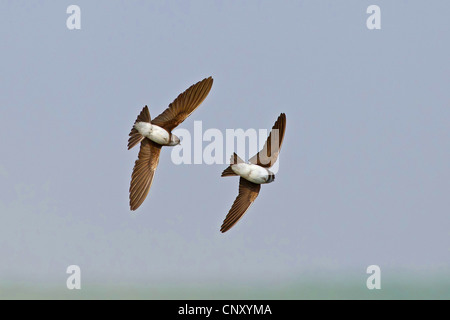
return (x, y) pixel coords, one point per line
(156, 133)
(254, 173)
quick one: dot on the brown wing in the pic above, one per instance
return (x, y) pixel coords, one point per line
(184, 105)
(248, 191)
(269, 153)
(143, 172)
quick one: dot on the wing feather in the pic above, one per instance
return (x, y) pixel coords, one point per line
(143, 172)
(268, 155)
(184, 105)
(248, 191)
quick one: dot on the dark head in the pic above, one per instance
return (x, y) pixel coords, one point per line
(271, 177)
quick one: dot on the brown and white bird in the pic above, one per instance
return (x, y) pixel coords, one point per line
(153, 134)
(254, 173)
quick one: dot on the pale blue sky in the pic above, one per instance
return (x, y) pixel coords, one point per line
(364, 171)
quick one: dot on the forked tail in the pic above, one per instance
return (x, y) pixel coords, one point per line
(228, 172)
(135, 136)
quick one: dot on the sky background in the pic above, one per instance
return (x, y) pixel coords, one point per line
(364, 172)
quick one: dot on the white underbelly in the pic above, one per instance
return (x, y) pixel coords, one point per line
(153, 132)
(251, 172)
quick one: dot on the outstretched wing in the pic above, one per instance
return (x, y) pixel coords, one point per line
(248, 191)
(184, 105)
(143, 172)
(269, 153)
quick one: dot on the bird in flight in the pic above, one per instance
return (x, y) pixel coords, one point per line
(153, 134)
(254, 173)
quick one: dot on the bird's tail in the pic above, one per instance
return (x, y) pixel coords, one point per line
(228, 172)
(135, 136)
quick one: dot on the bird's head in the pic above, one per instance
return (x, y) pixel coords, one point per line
(174, 140)
(270, 177)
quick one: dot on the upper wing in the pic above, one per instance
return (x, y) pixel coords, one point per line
(143, 172)
(184, 105)
(269, 153)
(248, 191)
